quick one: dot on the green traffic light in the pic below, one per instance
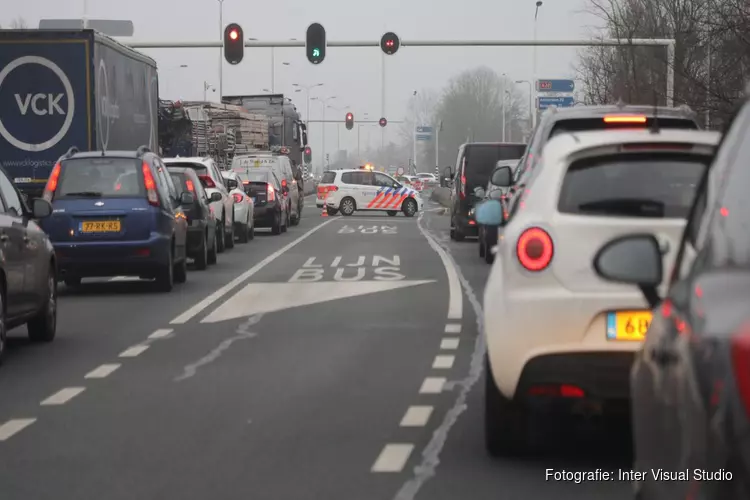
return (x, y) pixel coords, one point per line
(316, 52)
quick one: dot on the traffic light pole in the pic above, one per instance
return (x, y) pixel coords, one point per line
(669, 43)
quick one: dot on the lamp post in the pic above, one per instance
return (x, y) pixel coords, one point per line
(324, 102)
(539, 3)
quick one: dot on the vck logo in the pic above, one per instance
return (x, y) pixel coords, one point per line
(49, 104)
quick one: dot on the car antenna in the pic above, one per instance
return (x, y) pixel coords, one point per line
(655, 123)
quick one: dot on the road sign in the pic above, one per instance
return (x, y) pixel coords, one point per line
(111, 27)
(560, 102)
(424, 130)
(555, 85)
(423, 133)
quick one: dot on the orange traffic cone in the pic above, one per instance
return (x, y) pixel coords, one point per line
(324, 213)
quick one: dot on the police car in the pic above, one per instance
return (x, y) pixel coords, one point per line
(362, 189)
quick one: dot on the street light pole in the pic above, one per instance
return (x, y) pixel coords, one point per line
(531, 97)
(539, 3)
(221, 55)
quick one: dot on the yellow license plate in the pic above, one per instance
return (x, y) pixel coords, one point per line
(101, 226)
(628, 325)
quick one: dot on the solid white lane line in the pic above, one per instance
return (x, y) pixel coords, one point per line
(14, 426)
(393, 458)
(161, 333)
(449, 343)
(134, 351)
(416, 416)
(63, 396)
(453, 328)
(455, 295)
(432, 385)
(203, 304)
(443, 362)
(102, 371)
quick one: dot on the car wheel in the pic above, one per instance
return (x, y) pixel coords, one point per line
(251, 230)
(72, 282)
(165, 276)
(276, 227)
(180, 271)
(347, 206)
(244, 235)
(230, 236)
(456, 233)
(43, 326)
(392, 213)
(482, 248)
(489, 235)
(331, 211)
(214, 248)
(3, 329)
(409, 207)
(221, 237)
(285, 227)
(505, 421)
(201, 260)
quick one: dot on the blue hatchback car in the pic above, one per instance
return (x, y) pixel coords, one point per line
(117, 213)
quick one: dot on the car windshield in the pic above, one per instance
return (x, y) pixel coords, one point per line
(199, 168)
(482, 159)
(257, 176)
(100, 177)
(642, 185)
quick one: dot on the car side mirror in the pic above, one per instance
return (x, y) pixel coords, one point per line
(489, 213)
(634, 259)
(502, 176)
(41, 208)
(215, 197)
(232, 184)
(187, 198)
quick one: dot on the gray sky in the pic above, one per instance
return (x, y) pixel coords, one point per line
(350, 74)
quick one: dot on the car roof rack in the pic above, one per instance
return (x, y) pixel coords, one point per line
(142, 150)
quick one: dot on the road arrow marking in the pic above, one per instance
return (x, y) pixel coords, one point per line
(261, 298)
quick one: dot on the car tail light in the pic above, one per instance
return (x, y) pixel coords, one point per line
(150, 185)
(190, 186)
(49, 189)
(560, 391)
(270, 193)
(624, 119)
(332, 188)
(207, 181)
(463, 186)
(535, 249)
(283, 183)
(741, 365)
(238, 197)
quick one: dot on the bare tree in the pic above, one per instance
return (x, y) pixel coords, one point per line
(19, 23)
(420, 111)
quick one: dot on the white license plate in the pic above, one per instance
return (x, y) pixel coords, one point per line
(22, 180)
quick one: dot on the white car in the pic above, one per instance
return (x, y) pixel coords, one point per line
(243, 208)
(362, 189)
(559, 336)
(213, 182)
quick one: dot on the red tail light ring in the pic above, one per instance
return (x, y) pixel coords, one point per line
(238, 197)
(535, 249)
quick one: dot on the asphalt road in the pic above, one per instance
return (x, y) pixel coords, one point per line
(336, 361)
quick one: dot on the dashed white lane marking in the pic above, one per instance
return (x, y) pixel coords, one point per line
(14, 426)
(453, 328)
(416, 416)
(102, 371)
(443, 362)
(161, 333)
(449, 343)
(203, 304)
(432, 385)
(63, 396)
(393, 458)
(134, 351)
(455, 295)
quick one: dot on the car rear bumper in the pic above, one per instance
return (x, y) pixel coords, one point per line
(264, 216)
(466, 225)
(110, 258)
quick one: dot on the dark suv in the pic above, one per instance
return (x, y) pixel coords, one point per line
(117, 213)
(474, 166)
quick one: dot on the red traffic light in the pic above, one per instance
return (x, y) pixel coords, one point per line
(307, 150)
(389, 43)
(349, 116)
(383, 122)
(234, 34)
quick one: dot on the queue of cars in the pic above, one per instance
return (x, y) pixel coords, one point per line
(619, 287)
(127, 213)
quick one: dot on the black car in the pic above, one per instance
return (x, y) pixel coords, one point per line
(28, 269)
(487, 235)
(474, 165)
(202, 236)
(690, 382)
(268, 195)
